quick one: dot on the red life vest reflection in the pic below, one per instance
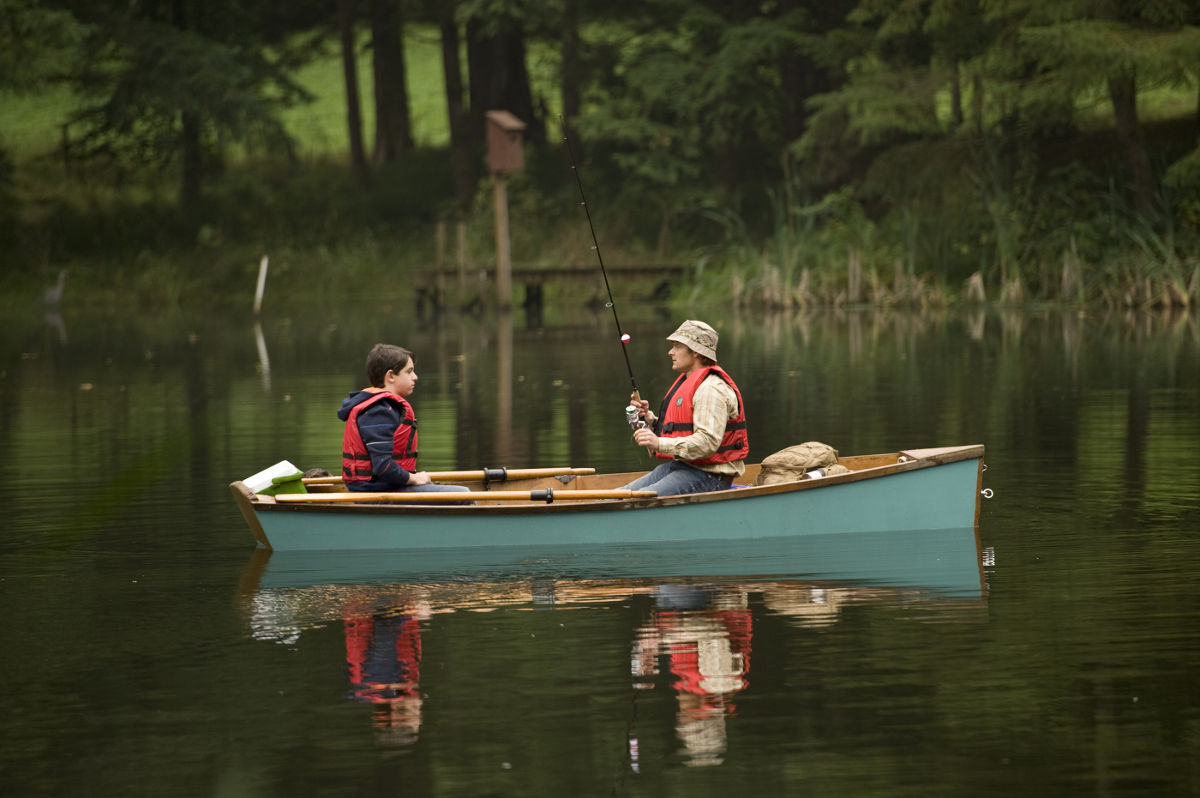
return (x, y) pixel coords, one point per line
(383, 653)
(705, 635)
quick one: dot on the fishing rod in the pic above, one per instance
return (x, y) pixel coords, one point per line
(630, 412)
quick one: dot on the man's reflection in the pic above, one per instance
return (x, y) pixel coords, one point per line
(383, 652)
(706, 633)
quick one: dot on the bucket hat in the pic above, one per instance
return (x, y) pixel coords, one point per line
(697, 336)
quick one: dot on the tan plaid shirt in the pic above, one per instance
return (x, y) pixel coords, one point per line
(713, 404)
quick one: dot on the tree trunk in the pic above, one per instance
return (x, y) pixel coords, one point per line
(570, 74)
(1122, 88)
(518, 93)
(460, 146)
(358, 156)
(191, 141)
(393, 132)
(956, 109)
(725, 165)
(793, 85)
(193, 162)
(480, 77)
(498, 77)
(977, 102)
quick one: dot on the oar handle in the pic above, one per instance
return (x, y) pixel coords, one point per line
(475, 476)
(464, 496)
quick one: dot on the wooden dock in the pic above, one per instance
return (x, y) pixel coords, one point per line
(432, 285)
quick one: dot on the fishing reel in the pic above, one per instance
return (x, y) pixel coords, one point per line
(635, 421)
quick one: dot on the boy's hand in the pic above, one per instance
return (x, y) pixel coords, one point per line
(419, 478)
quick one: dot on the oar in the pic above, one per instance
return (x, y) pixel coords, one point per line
(547, 496)
(490, 474)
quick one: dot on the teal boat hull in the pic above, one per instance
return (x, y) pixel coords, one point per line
(941, 493)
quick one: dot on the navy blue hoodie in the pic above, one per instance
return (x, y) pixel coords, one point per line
(377, 426)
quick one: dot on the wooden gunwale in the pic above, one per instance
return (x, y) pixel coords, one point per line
(513, 474)
(497, 496)
(920, 459)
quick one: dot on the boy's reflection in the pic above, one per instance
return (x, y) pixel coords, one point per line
(383, 651)
(706, 634)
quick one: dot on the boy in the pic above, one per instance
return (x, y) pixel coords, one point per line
(379, 446)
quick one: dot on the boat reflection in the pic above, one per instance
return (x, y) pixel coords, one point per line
(695, 616)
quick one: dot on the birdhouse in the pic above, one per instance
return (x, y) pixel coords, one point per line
(505, 142)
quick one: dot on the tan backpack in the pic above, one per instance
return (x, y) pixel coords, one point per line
(791, 463)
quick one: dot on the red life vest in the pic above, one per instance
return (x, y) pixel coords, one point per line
(675, 418)
(356, 460)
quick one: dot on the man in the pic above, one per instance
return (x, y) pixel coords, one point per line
(700, 427)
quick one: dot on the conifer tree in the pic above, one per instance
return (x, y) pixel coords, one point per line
(165, 81)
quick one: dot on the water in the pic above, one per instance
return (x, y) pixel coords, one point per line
(147, 650)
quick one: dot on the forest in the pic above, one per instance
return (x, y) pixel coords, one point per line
(792, 153)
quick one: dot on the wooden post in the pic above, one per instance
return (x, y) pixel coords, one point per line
(262, 286)
(264, 359)
(460, 231)
(439, 263)
(504, 380)
(503, 252)
(439, 255)
(506, 153)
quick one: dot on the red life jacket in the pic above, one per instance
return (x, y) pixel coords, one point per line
(356, 460)
(675, 418)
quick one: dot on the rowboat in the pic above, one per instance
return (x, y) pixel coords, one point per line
(916, 489)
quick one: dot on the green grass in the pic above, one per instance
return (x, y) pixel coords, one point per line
(320, 127)
(1094, 109)
(31, 125)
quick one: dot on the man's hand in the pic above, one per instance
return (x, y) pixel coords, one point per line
(644, 437)
(419, 478)
(642, 405)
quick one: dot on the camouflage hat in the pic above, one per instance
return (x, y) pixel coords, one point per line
(698, 337)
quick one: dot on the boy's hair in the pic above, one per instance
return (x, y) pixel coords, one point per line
(384, 358)
(706, 361)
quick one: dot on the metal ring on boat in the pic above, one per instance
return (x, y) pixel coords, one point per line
(546, 495)
(987, 493)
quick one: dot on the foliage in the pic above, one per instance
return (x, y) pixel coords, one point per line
(35, 43)
(814, 150)
(160, 81)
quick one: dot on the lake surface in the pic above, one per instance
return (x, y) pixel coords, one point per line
(149, 650)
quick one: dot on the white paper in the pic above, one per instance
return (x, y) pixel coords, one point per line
(262, 480)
